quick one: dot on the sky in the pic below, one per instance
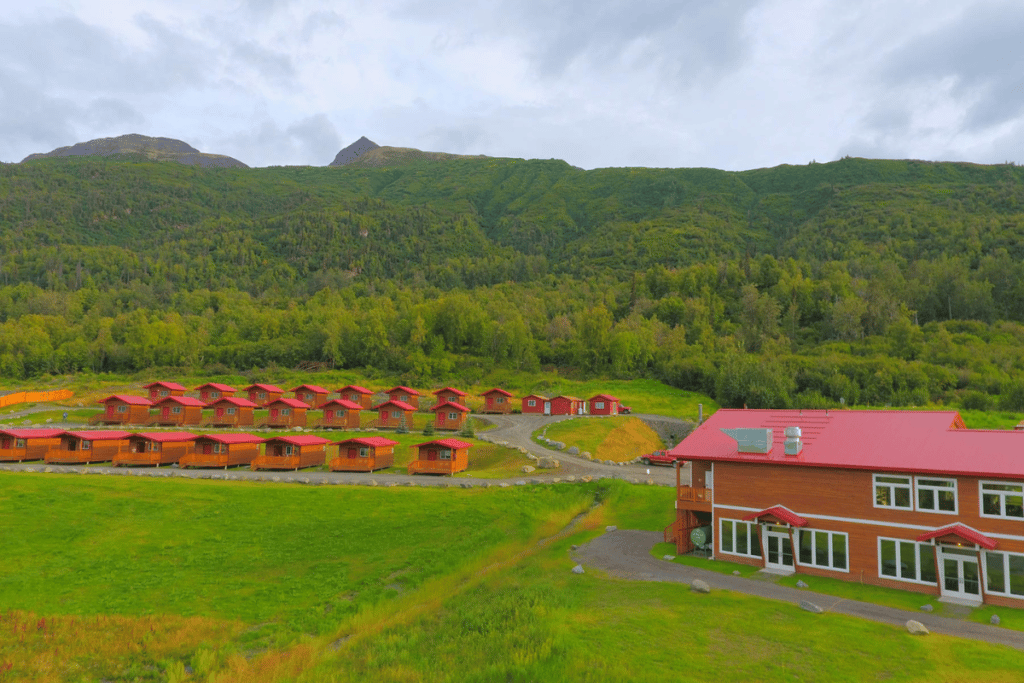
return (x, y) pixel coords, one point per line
(725, 84)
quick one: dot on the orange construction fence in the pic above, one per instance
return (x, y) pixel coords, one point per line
(35, 397)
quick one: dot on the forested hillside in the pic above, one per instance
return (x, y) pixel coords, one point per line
(878, 282)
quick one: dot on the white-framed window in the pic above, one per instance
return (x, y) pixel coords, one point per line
(452, 416)
(176, 410)
(739, 538)
(403, 398)
(86, 445)
(501, 399)
(1002, 499)
(1004, 573)
(598, 405)
(936, 495)
(906, 560)
(893, 491)
(216, 448)
(825, 549)
(364, 452)
(154, 447)
(445, 454)
(531, 402)
(214, 394)
(262, 394)
(230, 411)
(19, 443)
(122, 409)
(286, 411)
(164, 392)
(396, 414)
(289, 449)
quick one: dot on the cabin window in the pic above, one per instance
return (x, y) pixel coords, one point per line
(164, 392)
(892, 491)
(599, 405)
(176, 410)
(500, 399)
(122, 409)
(262, 394)
(936, 495)
(214, 394)
(826, 549)
(452, 416)
(395, 414)
(354, 398)
(153, 447)
(289, 450)
(531, 402)
(364, 452)
(906, 560)
(1002, 500)
(445, 454)
(1004, 573)
(403, 398)
(230, 411)
(286, 411)
(739, 537)
(86, 445)
(19, 443)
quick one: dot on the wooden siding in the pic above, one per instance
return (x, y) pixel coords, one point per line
(168, 454)
(338, 418)
(164, 415)
(133, 415)
(497, 404)
(236, 454)
(34, 448)
(443, 419)
(274, 458)
(243, 417)
(69, 450)
(428, 462)
(349, 460)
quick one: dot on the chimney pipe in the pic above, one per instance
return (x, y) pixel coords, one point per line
(700, 414)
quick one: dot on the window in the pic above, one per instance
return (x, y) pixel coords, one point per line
(1002, 500)
(154, 447)
(825, 549)
(86, 445)
(936, 495)
(739, 538)
(599, 405)
(122, 409)
(403, 398)
(230, 411)
(906, 560)
(452, 416)
(19, 443)
(262, 394)
(892, 492)
(445, 454)
(395, 414)
(164, 392)
(531, 402)
(214, 394)
(1004, 573)
(364, 452)
(501, 399)
(216, 448)
(286, 411)
(176, 410)
(289, 449)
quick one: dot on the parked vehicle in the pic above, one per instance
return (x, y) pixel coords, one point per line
(661, 458)
(625, 410)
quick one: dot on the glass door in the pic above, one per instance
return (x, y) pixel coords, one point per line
(960, 575)
(780, 550)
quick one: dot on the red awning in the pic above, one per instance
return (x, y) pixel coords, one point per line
(783, 514)
(962, 531)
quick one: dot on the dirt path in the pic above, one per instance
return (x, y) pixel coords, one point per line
(626, 554)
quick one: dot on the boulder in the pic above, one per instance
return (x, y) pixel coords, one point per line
(916, 628)
(587, 455)
(801, 584)
(611, 528)
(573, 450)
(668, 557)
(927, 608)
(578, 569)
(296, 429)
(586, 479)
(736, 573)
(810, 607)
(547, 463)
(531, 456)
(699, 586)
(994, 620)
(570, 478)
(528, 468)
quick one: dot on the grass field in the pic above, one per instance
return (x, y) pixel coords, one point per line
(130, 579)
(619, 438)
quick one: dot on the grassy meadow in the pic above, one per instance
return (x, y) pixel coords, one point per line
(620, 438)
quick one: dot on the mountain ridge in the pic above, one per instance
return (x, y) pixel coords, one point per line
(152, 148)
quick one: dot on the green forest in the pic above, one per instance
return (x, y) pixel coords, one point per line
(856, 282)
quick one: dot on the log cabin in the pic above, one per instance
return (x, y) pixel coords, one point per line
(176, 411)
(603, 404)
(449, 395)
(394, 414)
(155, 448)
(222, 450)
(158, 390)
(230, 411)
(262, 394)
(123, 410)
(88, 446)
(364, 454)
(339, 413)
(17, 445)
(497, 401)
(404, 395)
(568, 405)
(286, 413)
(441, 456)
(536, 404)
(449, 415)
(292, 453)
(903, 499)
(357, 394)
(311, 394)
(211, 391)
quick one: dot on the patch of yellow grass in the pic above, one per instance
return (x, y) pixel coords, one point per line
(629, 439)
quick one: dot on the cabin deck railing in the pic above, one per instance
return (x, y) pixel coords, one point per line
(446, 466)
(691, 494)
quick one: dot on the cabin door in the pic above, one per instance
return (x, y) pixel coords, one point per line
(273, 413)
(959, 576)
(490, 403)
(165, 411)
(219, 412)
(5, 442)
(431, 454)
(547, 407)
(779, 547)
(110, 410)
(329, 415)
(353, 452)
(207, 448)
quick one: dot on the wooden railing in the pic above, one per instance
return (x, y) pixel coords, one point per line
(432, 466)
(692, 494)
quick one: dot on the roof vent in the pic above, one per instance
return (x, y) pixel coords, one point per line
(793, 443)
(751, 440)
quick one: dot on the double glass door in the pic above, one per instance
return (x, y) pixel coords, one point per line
(961, 577)
(779, 549)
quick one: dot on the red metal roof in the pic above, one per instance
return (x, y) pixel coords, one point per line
(164, 437)
(963, 531)
(173, 386)
(450, 390)
(344, 403)
(290, 402)
(604, 397)
(301, 440)
(130, 400)
(374, 441)
(780, 512)
(32, 433)
(571, 398)
(445, 443)
(401, 405)
(265, 387)
(407, 390)
(449, 404)
(232, 438)
(233, 400)
(928, 442)
(214, 385)
(181, 400)
(98, 435)
(496, 390)
(543, 398)
(356, 388)
(312, 387)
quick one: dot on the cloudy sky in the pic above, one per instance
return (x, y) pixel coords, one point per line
(731, 84)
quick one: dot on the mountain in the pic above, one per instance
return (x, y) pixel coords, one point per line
(364, 153)
(354, 151)
(134, 145)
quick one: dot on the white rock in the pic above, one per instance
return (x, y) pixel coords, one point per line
(699, 586)
(916, 628)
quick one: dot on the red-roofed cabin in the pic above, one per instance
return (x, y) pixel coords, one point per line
(285, 412)
(231, 411)
(900, 499)
(222, 450)
(442, 456)
(536, 404)
(450, 395)
(262, 394)
(156, 448)
(292, 453)
(88, 446)
(603, 404)
(27, 444)
(568, 405)
(211, 391)
(357, 394)
(339, 414)
(450, 416)
(497, 401)
(176, 411)
(393, 414)
(123, 410)
(404, 395)
(364, 454)
(164, 389)
(311, 394)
